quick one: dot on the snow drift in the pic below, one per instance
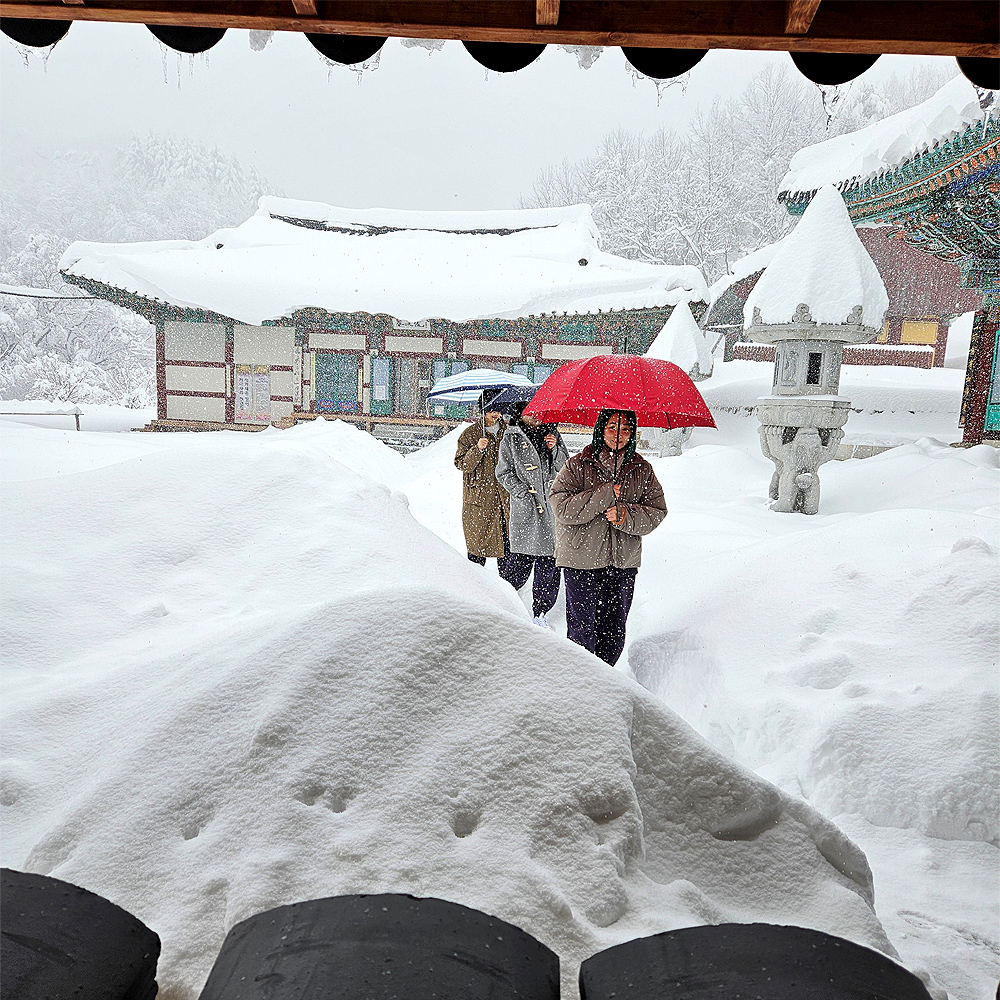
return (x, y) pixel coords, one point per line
(240, 674)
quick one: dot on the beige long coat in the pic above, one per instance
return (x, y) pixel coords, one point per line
(581, 496)
(485, 503)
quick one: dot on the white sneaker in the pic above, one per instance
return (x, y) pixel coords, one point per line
(542, 621)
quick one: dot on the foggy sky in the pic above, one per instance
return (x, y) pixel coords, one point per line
(422, 131)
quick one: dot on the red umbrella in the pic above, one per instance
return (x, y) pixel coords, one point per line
(658, 392)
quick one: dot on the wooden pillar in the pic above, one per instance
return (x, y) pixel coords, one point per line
(982, 347)
(941, 344)
(161, 369)
(230, 374)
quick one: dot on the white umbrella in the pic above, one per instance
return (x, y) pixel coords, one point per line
(466, 387)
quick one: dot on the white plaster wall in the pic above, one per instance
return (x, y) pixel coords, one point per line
(282, 384)
(264, 345)
(338, 341)
(573, 352)
(194, 341)
(196, 379)
(280, 409)
(493, 348)
(195, 408)
(414, 345)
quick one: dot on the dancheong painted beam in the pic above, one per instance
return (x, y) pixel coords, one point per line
(916, 27)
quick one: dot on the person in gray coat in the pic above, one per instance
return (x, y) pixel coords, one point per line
(531, 456)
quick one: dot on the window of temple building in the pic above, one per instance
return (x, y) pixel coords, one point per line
(915, 332)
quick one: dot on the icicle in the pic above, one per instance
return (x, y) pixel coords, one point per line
(987, 104)
(662, 86)
(259, 39)
(586, 55)
(832, 97)
(370, 65)
(163, 56)
(432, 45)
(28, 52)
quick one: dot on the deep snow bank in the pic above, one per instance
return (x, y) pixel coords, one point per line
(239, 674)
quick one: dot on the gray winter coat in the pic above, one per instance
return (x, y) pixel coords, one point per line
(526, 477)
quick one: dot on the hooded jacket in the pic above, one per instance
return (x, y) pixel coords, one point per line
(485, 503)
(581, 496)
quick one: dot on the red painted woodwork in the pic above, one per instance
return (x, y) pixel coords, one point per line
(984, 335)
(920, 286)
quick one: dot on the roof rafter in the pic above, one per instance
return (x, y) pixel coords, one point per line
(915, 27)
(547, 12)
(799, 15)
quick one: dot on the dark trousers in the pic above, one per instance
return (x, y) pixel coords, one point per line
(597, 605)
(544, 587)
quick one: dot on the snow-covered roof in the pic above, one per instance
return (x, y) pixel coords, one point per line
(364, 220)
(682, 342)
(409, 265)
(876, 149)
(823, 264)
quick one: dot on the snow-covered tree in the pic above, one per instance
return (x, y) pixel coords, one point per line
(155, 187)
(708, 196)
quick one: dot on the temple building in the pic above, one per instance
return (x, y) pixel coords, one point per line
(931, 174)
(306, 309)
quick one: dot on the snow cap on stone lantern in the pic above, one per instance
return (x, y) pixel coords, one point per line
(821, 274)
(682, 341)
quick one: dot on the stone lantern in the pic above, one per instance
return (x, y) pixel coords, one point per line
(820, 292)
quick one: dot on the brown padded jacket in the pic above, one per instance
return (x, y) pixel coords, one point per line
(581, 496)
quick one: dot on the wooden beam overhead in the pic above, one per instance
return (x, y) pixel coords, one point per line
(305, 8)
(799, 15)
(909, 27)
(547, 12)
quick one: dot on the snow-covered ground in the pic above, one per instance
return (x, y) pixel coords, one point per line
(241, 670)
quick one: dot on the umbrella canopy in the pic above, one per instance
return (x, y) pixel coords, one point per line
(508, 400)
(465, 387)
(658, 392)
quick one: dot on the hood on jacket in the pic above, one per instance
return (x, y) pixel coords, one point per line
(602, 422)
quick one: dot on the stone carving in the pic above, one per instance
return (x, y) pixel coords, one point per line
(797, 453)
(802, 315)
(668, 443)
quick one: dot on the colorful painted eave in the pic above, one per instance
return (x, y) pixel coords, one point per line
(971, 156)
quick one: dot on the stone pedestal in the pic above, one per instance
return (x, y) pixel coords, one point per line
(667, 443)
(799, 434)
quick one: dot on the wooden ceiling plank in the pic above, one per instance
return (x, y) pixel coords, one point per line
(966, 29)
(799, 15)
(547, 12)
(305, 8)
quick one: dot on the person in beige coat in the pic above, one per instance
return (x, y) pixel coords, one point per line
(604, 499)
(485, 503)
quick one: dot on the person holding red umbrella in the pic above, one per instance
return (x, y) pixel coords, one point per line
(605, 499)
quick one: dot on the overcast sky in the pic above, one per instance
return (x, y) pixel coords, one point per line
(422, 131)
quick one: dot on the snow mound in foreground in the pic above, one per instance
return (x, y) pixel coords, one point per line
(276, 685)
